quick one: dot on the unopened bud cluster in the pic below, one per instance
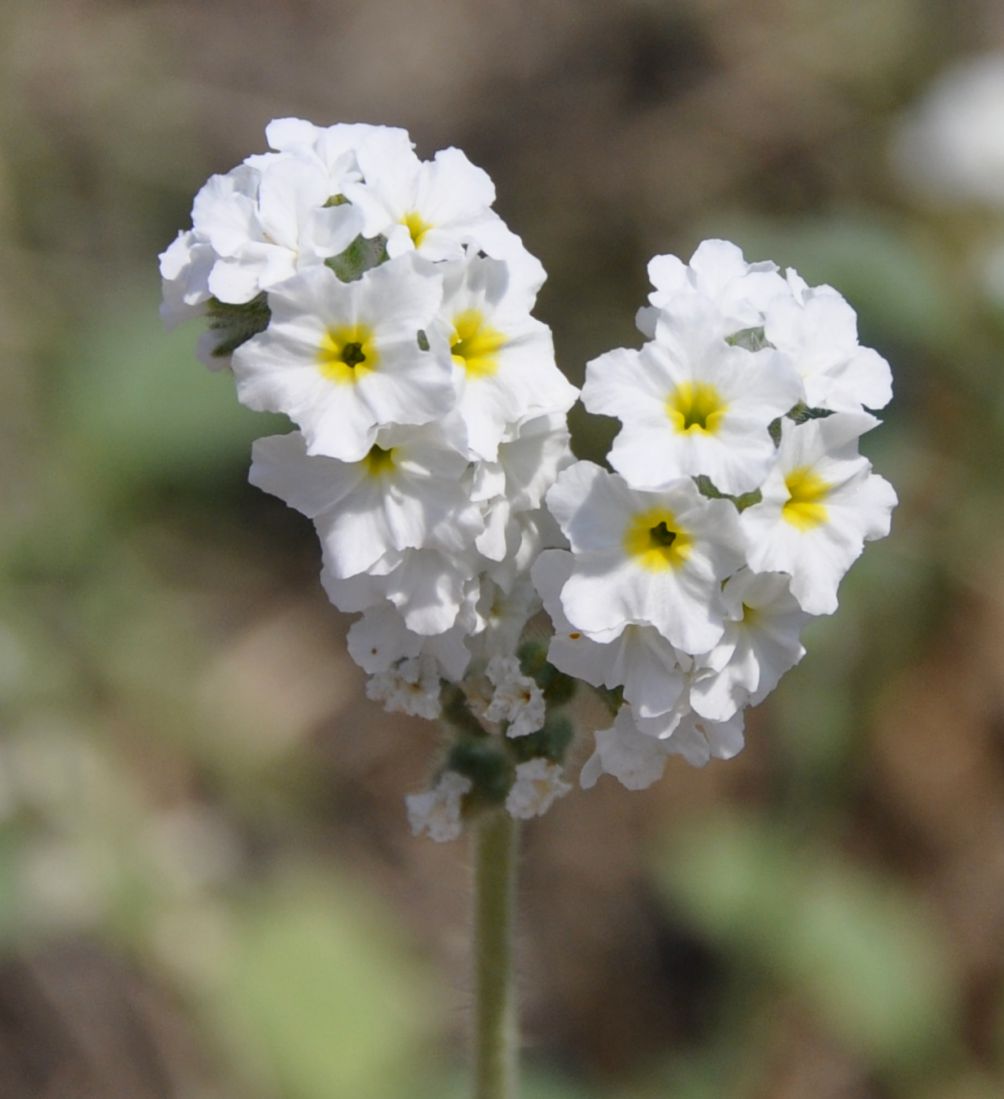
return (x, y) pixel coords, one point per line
(381, 304)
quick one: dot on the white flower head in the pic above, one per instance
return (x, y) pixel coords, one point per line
(691, 403)
(697, 739)
(761, 642)
(502, 614)
(817, 331)
(517, 699)
(406, 493)
(436, 207)
(538, 784)
(819, 506)
(185, 266)
(343, 360)
(638, 658)
(645, 558)
(737, 291)
(437, 812)
(634, 751)
(257, 225)
(503, 358)
(335, 148)
(634, 759)
(431, 590)
(380, 639)
(411, 686)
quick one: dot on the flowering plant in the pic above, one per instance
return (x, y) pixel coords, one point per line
(380, 303)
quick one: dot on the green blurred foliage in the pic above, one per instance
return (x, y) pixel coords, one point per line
(846, 942)
(188, 779)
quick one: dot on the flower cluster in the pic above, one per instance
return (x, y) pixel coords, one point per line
(738, 502)
(380, 303)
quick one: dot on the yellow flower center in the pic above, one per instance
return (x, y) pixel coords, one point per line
(804, 508)
(347, 353)
(656, 541)
(695, 406)
(417, 226)
(475, 345)
(379, 461)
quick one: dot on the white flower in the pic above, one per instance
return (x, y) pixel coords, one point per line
(411, 687)
(634, 759)
(516, 699)
(539, 783)
(818, 331)
(257, 225)
(645, 558)
(334, 147)
(436, 812)
(503, 358)
(435, 207)
(692, 404)
(502, 614)
(737, 290)
(820, 505)
(406, 493)
(635, 754)
(379, 639)
(343, 359)
(694, 737)
(951, 147)
(429, 588)
(760, 643)
(185, 266)
(639, 658)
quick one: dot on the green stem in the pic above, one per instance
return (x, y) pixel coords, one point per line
(494, 845)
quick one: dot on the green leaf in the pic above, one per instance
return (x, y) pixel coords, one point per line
(137, 407)
(854, 946)
(321, 997)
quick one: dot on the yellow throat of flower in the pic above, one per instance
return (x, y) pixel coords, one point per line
(695, 408)
(347, 353)
(379, 461)
(417, 226)
(655, 540)
(804, 508)
(475, 345)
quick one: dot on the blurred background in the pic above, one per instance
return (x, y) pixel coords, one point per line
(208, 889)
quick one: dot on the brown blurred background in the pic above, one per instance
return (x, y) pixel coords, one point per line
(207, 885)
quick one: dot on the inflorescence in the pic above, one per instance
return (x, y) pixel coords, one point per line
(381, 304)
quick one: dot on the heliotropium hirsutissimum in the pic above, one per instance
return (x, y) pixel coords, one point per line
(407, 492)
(379, 302)
(503, 357)
(645, 558)
(343, 360)
(819, 506)
(691, 403)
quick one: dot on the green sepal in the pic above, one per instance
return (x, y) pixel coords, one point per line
(363, 254)
(752, 339)
(801, 412)
(707, 488)
(551, 742)
(236, 324)
(487, 764)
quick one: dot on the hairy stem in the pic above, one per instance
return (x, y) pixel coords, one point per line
(494, 845)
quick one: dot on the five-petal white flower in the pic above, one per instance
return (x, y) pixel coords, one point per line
(691, 403)
(343, 360)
